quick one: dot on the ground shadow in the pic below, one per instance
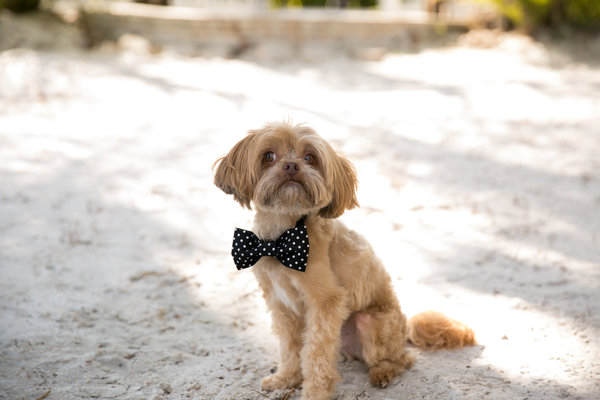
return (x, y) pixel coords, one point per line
(97, 303)
(129, 305)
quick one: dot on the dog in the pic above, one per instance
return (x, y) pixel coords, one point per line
(343, 299)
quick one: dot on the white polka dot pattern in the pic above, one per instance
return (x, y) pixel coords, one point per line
(291, 248)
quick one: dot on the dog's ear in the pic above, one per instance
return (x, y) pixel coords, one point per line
(343, 178)
(235, 173)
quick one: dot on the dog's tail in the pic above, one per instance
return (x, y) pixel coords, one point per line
(433, 330)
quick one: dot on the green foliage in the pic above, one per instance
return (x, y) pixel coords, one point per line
(20, 5)
(583, 12)
(534, 14)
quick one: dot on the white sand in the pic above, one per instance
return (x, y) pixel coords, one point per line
(479, 184)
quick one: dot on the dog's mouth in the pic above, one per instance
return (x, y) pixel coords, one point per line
(285, 192)
(291, 183)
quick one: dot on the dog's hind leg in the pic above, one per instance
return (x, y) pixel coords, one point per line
(382, 332)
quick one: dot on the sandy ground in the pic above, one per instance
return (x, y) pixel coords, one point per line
(478, 165)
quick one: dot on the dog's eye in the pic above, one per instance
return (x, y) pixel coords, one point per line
(269, 157)
(309, 158)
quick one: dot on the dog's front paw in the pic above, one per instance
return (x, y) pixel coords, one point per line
(281, 382)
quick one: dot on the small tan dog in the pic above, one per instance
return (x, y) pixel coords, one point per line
(344, 299)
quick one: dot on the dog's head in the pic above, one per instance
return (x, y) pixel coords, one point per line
(288, 169)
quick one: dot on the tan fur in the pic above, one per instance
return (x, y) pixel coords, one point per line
(433, 330)
(345, 290)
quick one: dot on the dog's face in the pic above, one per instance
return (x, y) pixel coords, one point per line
(288, 169)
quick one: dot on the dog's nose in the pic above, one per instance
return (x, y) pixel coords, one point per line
(291, 168)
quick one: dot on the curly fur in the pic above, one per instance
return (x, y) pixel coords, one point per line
(345, 299)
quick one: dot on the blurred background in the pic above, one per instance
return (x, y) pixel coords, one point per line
(474, 129)
(527, 14)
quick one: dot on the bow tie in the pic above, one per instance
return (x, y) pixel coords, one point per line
(291, 248)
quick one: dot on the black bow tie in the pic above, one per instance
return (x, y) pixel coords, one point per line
(291, 248)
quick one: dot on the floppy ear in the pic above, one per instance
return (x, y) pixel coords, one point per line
(235, 174)
(343, 178)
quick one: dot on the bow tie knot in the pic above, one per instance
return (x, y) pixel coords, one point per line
(291, 248)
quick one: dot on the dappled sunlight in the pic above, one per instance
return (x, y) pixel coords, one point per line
(514, 347)
(478, 185)
(518, 341)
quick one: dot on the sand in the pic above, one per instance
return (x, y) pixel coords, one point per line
(479, 189)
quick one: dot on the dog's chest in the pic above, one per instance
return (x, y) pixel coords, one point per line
(284, 289)
(286, 298)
